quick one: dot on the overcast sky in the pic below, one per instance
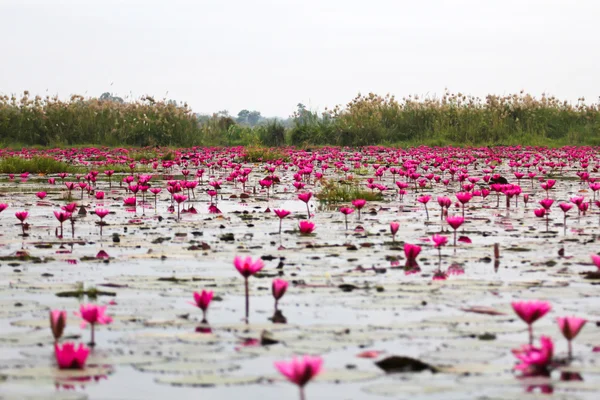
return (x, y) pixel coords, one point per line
(270, 55)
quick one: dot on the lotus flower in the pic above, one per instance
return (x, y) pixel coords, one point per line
(58, 321)
(306, 227)
(424, 200)
(202, 301)
(93, 314)
(531, 311)
(62, 216)
(359, 204)
(411, 251)
(69, 357)
(546, 203)
(278, 289)
(455, 222)
(22, 215)
(570, 327)
(535, 361)
(300, 371)
(346, 211)
(305, 197)
(439, 240)
(101, 212)
(596, 260)
(179, 198)
(71, 207)
(394, 226)
(247, 267)
(281, 214)
(444, 202)
(41, 195)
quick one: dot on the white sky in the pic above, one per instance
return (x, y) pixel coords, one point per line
(270, 55)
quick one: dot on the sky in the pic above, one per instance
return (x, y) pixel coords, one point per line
(270, 55)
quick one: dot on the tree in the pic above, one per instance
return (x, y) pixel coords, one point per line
(242, 117)
(254, 118)
(106, 96)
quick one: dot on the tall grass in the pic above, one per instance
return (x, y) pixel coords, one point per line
(452, 119)
(50, 121)
(258, 154)
(342, 192)
(34, 165)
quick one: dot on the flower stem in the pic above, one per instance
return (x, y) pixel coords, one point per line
(93, 342)
(247, 302)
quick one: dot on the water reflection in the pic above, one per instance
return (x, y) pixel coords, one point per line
(204, 327)
(278, 317)
(411, 267)
(70, 384)
(541, 383)
(571, 376)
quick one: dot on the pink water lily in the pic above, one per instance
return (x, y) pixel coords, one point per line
(394, 226)
(202, 301)
(306, 227)
(464, 198)
(596, 260)
(62, 216)
(411, 251)
(69, 357)
(445, 204)
(305, 197)
(535, 361)
(247, 267)
(278, 289)
(546, 203)
(58, 321)
(439, 240)
(531, 311)
(281, 214)
(179, 198)
(101, 213)
(424, 200)
(94, 315)
(455, 222)
(359, 204)
(22, 216)
(570, 327)
(346, 211)
(300, 371)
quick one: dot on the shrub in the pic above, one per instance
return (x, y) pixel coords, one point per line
(34, 165)
(342, 192)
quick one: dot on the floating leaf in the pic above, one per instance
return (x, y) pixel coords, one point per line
(401, 364)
